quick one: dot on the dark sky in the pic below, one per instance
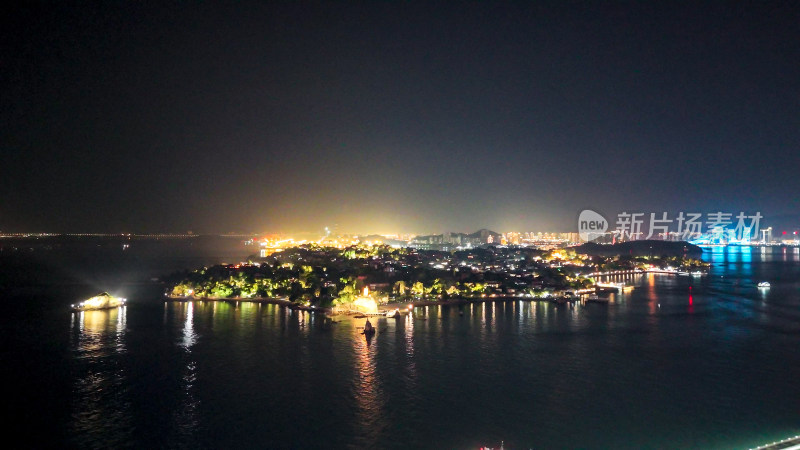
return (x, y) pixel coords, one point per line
(393, 116)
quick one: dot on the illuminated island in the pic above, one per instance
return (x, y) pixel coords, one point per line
(364, 279)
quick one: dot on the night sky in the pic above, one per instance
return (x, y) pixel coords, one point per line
(393, 116)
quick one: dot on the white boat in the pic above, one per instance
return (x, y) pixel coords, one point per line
(100, 301)
(764, 284)
(393, 313)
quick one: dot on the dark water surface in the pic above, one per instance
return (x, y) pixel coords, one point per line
(680, 362)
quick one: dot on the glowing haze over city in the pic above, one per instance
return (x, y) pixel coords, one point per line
(391, 118)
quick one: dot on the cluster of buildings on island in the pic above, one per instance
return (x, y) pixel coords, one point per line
(448, 241)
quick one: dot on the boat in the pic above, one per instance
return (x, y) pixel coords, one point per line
(369, 330)
(764, 284)
(697, 273)
(103, 300)
(395, 313)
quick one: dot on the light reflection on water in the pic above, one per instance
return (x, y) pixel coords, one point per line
(366, 389)
(102, 410)
(186, 414)
(189, 336)
(244, 374)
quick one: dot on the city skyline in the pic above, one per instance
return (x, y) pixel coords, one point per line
(636, 225)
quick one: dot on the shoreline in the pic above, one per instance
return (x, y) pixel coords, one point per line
(262, 300)
(384, 308)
